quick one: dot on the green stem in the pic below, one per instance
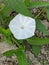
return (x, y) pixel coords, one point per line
(39, 13)
(15, 42)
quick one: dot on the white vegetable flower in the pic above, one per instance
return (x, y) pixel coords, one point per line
(22, 26)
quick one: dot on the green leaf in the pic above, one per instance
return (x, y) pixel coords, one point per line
(38, 41)
(6, 10)
(8, 40)
(38, 4)
(27, 2)
(47, 12)
(1, 19)
(2, 30)
(1, 6)
(5, 32)
(22, 60)
(36, 49)
(9, 53)
(16, 5)
(41, 27)
(7, 35)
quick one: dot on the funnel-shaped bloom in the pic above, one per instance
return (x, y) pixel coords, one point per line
(22, 27)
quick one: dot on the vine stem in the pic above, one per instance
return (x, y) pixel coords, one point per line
(16, 42)
(39, 13)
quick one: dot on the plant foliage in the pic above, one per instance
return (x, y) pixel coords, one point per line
(19, 6)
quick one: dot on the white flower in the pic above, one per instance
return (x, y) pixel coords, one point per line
(22, 26)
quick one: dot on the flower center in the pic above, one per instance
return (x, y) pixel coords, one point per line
(22, 27)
